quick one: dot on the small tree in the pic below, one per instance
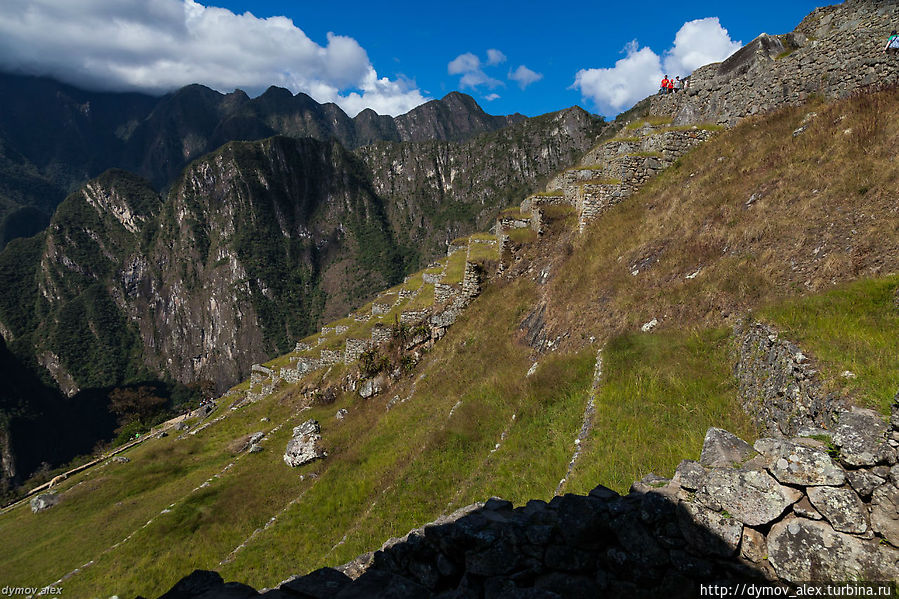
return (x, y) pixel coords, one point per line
(133, 404)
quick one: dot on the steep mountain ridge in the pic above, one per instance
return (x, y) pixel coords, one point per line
(45, 126)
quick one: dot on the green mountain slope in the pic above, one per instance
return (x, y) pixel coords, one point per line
(463, 419)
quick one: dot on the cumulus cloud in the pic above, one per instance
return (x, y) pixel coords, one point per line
(161, 45)
(494, 56)
(638, 74)
(492, 97)
(469, 66)
(524, 76)
(699, 43)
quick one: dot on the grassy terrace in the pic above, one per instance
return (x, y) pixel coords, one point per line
(455, 269)
(423, 299)
(660, 394)
(513, 212)
(481, 252)
(523, 235)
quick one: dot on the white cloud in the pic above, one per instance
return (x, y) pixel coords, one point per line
(699, 43)
(492, 97)
(161, 45)
(524, 76)
(469, 66)
(638, 74)
(494, 57)
(632, 78)
(464, 63)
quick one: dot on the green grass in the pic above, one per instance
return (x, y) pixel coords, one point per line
(481, 252)
(455, 269)
(854, 327)
(524, 235)
(659, 394)
(423, 299)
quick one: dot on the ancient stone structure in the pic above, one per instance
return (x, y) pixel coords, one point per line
(835, 51)
(444, 292)
(381, 334)
(330, 357)
(354, 349)
(305, 445)
(472, 279)
(301, 346)
(259, 373)
(412, 317)
(779, 387)
(379, 308)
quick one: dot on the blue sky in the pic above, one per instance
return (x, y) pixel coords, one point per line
(392, 58)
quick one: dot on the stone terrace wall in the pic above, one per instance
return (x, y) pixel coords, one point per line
(781, 511)
(834, 52)
(779, 388)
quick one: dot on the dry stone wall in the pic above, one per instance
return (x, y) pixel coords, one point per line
(779, 387)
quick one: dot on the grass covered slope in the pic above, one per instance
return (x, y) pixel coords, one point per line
(469, 422)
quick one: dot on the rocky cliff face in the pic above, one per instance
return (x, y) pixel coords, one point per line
(434, 187)
(45, 127)
(253, 245)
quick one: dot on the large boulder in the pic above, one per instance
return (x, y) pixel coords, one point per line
(44, 501)
(804, 550)
(861, 437)
(305, 445)
(708, 532)
(842, 508)
(723, 449)
(751, 496)
(795, 464)
(885, 512)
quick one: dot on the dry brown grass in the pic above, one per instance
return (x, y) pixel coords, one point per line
(763, 214)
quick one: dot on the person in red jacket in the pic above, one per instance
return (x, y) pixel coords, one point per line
(671, 86)
(664, 88)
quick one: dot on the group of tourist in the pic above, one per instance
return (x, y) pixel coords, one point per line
(669, 86)
(892, 46)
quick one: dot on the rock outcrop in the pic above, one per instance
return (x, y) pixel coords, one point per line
(779, 513)
(305, 445)
(44, 501)
(835, 51)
